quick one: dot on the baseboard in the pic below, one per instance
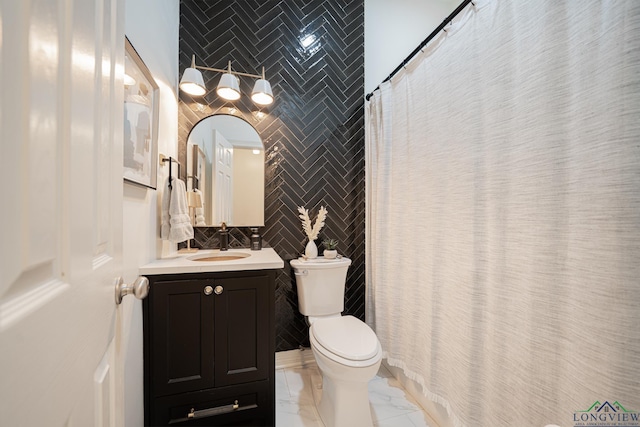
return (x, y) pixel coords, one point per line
(294, 358)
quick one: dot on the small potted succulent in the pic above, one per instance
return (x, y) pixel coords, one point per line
(330, 246)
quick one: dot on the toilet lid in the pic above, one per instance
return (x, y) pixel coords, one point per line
(346, 336)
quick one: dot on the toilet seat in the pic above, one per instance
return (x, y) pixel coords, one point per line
(346, 340)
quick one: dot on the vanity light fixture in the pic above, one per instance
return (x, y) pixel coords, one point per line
(228, 88)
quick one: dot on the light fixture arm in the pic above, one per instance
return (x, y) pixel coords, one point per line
(228, 70)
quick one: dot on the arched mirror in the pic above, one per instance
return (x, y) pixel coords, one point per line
(225, 162)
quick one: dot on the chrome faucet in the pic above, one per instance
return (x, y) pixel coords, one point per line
(224, 237)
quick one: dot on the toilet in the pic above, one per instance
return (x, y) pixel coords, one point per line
(346, 349)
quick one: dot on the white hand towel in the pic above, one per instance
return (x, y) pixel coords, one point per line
(200, 211)
(180, 223)
(164, 214)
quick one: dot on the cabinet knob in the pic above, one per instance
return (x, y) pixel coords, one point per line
(218, 290)
(208, 290)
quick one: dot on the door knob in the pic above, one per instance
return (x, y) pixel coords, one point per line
(139, 289)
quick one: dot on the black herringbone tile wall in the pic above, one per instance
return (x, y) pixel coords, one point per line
(313, 133)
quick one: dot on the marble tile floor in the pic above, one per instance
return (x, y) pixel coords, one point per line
(297, 390)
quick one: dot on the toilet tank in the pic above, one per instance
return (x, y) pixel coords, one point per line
(320, 283)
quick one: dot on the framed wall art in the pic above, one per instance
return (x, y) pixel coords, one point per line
(140, 121)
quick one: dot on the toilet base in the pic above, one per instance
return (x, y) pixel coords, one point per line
(346, 405)
(345, 392)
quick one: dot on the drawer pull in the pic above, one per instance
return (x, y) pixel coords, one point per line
(214, 411)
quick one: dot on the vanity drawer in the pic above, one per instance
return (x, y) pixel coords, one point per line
(215, 407)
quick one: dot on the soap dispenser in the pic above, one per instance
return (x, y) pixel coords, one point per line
(256, 239)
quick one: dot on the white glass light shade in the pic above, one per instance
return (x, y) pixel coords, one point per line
(262, 92)
(228, 87)
(192, 82)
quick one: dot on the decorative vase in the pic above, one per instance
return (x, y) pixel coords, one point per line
(311, 250)
(330, 254)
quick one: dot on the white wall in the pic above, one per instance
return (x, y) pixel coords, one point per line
(152, 28)
(393, 29)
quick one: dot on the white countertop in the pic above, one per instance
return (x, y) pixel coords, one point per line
(264, 259)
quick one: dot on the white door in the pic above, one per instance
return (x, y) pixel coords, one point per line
(223, 173)
(61, 201)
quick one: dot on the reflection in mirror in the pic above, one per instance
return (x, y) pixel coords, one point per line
(225, 163)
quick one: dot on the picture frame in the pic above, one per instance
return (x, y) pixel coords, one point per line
(141, 104)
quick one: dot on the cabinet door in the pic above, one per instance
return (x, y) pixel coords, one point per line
(182, 336)
(242, 330)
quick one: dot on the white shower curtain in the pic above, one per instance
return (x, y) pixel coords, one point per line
(503, 212)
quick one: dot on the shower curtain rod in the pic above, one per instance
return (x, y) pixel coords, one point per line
(423, 44)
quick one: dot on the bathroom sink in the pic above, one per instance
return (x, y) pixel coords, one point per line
(217, 257)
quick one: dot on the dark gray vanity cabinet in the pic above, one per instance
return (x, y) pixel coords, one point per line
(209, 349)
